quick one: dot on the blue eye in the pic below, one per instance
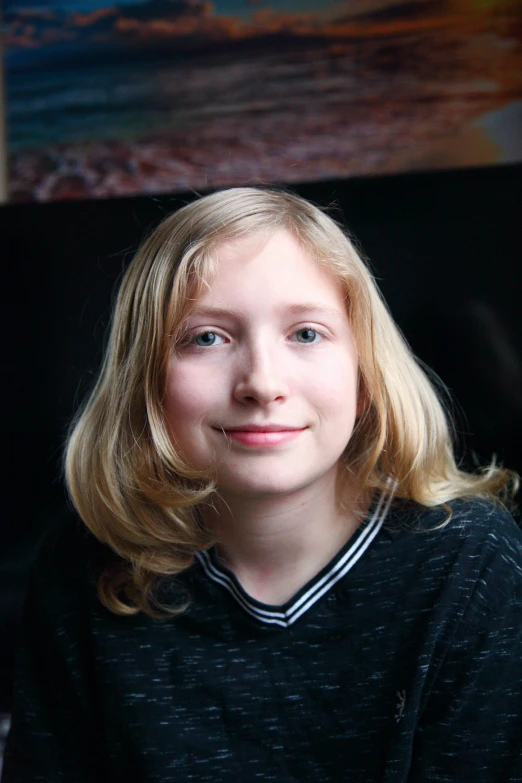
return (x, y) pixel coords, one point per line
(207, 339)
(307, 335)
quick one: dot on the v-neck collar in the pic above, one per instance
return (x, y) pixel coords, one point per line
(320, 584)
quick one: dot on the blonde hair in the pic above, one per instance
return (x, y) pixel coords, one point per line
(124, 475)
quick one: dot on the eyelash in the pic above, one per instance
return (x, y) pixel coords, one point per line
(190, 340)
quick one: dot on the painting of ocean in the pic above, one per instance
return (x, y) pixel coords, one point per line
(174, 95)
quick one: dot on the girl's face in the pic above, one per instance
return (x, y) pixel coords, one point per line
(263, 388)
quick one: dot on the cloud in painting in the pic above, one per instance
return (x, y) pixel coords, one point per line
(166, 25)
(175, 19)
(36, 27)
(146, 24)
(169, 10)
(396, 11)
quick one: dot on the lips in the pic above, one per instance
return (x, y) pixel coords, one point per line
(262, 428)
(262, 435)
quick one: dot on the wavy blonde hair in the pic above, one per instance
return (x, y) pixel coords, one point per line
(124, 475)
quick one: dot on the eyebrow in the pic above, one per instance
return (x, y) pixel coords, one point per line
(306, 307)
(294, 309)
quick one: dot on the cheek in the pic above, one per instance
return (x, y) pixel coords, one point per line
(335, 388)
(187, 398)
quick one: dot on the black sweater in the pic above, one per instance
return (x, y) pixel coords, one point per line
(400, 661)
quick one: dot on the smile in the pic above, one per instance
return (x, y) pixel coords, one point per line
(262, 438)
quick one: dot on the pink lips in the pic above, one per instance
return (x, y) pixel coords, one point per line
(254, 435)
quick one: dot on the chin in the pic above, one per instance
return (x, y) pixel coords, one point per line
(264, 486)
(256, 490)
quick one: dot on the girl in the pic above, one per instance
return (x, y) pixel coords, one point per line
(283, 575)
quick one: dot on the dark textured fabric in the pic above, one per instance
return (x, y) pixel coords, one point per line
(408, 668)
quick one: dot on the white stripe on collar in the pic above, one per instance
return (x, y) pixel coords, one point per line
(364, 537)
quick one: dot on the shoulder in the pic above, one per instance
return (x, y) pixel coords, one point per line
(470, 546)
(460, 522)
(486, 525)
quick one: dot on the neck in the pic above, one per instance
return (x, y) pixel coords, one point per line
(275, 544)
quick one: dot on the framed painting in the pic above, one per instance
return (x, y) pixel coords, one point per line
(152, 96)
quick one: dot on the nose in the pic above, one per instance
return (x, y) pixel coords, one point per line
(261, 376)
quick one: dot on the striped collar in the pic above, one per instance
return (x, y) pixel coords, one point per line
(287, 614)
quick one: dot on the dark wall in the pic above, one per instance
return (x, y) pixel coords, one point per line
(445, 247)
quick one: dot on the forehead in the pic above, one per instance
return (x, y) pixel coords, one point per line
(274, 266)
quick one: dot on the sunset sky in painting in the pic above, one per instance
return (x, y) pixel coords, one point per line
(239, 8)
(41, 30)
